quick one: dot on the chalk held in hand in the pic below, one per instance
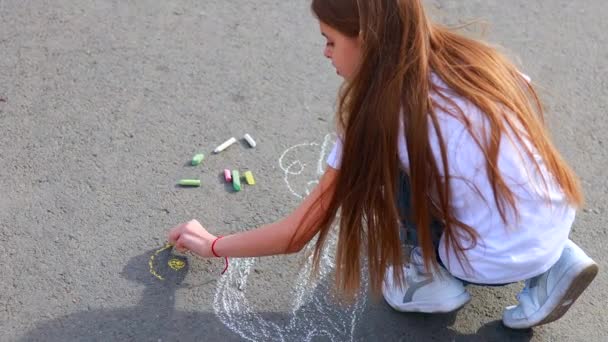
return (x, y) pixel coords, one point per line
(225, 145)
(197, 159)
(236, 180)
(249, 140)
(189, 182)
(227, 176)
(249, 178)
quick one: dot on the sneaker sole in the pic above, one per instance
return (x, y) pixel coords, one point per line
(580, 278)
(445, 306)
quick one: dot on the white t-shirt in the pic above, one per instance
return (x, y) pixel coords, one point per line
(529, 244)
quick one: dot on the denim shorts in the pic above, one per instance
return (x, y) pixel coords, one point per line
(408, 233)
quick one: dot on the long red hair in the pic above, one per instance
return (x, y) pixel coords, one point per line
(400, 49)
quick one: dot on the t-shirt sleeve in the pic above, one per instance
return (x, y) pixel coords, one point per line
(334, 159)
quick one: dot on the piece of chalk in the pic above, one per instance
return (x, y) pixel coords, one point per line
(225, 145)
(227, 175)
(249, 177)
(197, 159)
(189, 182)
(236, 180)
(249, 140)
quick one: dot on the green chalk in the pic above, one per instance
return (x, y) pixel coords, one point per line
(189, 182)
(236, 180)
(197, 159)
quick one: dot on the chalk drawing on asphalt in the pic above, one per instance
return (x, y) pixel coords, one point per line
(175, 263)
(313, 313)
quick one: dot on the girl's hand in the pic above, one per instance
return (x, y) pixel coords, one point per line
(191, 236)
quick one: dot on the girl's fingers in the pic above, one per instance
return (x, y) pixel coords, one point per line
(194, 228)
(174, 233)
(191, 236)
(180, 246)
(193, 243)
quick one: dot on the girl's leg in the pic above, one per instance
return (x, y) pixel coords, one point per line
(423, 290)
(409, 234)
(546, 297)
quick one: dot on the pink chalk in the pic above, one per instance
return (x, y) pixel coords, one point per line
(227, 175)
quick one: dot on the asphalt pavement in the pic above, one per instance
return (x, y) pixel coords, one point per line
(104, 103)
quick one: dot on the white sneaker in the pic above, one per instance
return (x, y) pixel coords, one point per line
(423, 291)
(547, 297)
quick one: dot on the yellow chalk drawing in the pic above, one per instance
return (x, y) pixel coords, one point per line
(176, 264)
(151, 262)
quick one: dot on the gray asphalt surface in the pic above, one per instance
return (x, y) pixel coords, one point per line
(103, 103)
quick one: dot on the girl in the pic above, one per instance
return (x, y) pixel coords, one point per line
(441, 136)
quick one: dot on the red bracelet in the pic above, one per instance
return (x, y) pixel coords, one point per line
(213, 246)
(216, 255)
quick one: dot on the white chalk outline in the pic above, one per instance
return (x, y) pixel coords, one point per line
(336, 323)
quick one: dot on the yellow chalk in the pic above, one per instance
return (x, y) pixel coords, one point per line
(176, 264)
(151, 261)
(249, 177)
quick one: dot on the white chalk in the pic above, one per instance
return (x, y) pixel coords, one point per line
(250, 140)
(225, 145)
